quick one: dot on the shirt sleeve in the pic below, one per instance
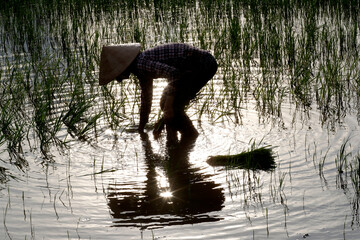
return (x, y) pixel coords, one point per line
(155, 69)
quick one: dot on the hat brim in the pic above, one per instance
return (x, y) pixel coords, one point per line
(115, 59)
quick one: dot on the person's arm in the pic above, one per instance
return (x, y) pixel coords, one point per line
(147, 70)
(146, 85)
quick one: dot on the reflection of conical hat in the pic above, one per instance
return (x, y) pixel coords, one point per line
(115, 59)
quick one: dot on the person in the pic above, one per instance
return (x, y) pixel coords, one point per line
(186, 68)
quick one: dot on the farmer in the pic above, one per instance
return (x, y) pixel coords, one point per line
(186, 68)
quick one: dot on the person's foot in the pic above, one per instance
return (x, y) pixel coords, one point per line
(189, 132)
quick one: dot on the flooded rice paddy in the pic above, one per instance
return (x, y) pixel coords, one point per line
(73, 166)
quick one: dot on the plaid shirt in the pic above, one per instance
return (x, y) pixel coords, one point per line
(171, 61)
(168, 61)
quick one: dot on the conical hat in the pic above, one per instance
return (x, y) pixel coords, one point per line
(115, 59)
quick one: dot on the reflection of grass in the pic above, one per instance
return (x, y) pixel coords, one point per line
(341, 158)
(260, 158)
(355, 175)
(2, 175)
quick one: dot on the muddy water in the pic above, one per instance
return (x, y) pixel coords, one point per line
(129, 186)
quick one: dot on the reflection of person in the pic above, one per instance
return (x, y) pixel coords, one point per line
(193, 196)
(186, 68)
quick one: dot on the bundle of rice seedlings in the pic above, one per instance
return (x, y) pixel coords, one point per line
(254, 159)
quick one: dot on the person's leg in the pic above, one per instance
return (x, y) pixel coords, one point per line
(186, 127)
(203, 69)
(171, 133)
(180, 122)
(186, 90)
(169, 124)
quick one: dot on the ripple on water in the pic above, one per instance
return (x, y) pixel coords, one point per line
(117, 185)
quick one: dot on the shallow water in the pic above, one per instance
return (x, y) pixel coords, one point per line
(129, 186)
(118, 184)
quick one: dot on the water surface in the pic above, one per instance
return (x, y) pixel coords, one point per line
(136, 187)
(72, 165)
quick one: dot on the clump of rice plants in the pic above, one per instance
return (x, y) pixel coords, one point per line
(261, 158)
(269, 50)
(341, 160)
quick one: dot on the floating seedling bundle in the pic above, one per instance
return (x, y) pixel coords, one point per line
(255, 159)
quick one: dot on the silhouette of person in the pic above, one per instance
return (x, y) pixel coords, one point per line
(186, 68)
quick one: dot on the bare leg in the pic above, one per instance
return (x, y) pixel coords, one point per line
(187, 128)
(170, 123)
(179, 120)
(171, 133)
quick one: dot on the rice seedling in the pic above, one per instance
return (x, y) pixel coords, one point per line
(355, 174)
(267, 222)
(341, 158)
(268, 51)
(355, 183)
(321, 166)
(76, 114)
(23, 201)
(3, 175)
(54, 205)
(4, 222)
(32, 227)
(13, 134)
(303, 202)
(244, 38)
(344, 227)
